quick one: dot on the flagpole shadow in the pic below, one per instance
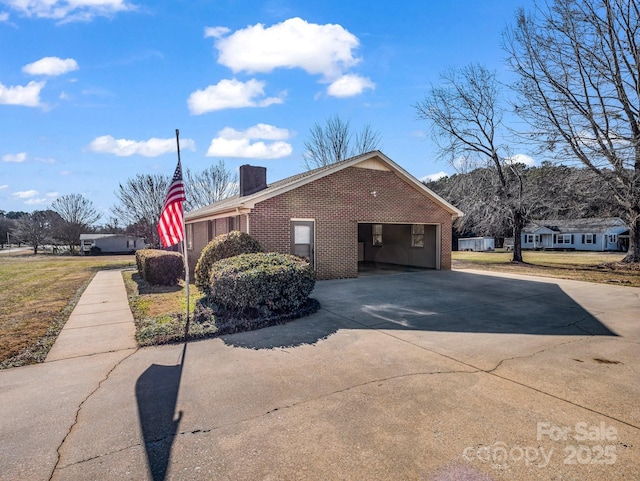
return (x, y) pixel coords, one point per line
(156, 395)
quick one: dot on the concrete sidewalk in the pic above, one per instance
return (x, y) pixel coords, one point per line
(431, 376)
(101, 321)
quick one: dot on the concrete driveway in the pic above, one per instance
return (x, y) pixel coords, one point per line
(431, 375)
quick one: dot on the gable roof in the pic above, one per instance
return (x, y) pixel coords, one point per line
(593, 225)
(374, 159)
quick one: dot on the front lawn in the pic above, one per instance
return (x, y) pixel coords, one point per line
(37, 295)
(601, 267)
(160, 311)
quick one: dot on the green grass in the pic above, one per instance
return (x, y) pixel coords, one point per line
(37, 294)
(159, 312)
(601, 267)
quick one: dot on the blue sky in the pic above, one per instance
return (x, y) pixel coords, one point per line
(91, 91)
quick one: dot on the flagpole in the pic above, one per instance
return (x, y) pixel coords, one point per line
(184, 249)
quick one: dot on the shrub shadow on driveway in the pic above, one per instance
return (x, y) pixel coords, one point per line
(439, 301)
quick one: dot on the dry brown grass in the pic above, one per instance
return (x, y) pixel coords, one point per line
(37, 294)
(600, 267)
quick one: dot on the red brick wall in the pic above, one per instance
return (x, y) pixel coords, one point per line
(337, 203)
(201, 237)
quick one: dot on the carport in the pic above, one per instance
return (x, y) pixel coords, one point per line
(410, 245)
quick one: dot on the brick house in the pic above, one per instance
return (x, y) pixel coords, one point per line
(363, 209)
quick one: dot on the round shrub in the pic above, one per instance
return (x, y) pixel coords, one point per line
(261, 284)
(160, 267)
(222, 247)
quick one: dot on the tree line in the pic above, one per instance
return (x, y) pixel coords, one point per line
(552, 192)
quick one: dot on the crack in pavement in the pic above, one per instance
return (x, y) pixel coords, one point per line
(533, 354)
(168, 437)
(75, 421)
(492, 373)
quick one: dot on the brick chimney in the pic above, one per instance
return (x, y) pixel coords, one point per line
(252, 179)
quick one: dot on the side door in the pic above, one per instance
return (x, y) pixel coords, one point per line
(302, 239)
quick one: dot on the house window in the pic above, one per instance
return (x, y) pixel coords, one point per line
(190, 237)
(417, 235)
(564, 239)
(588, 238)
(376, 229)
(613, 238)
(529, 239)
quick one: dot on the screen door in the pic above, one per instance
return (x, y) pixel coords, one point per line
(302, 239)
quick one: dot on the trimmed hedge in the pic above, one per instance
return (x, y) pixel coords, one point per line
(156, 266)
(261, 284)
(222, 247)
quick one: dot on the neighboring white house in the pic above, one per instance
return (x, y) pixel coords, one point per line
(477, 244)
(603, 234)
(110, 243)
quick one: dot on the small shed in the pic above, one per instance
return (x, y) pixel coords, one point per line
(477, 244)
(110, 243)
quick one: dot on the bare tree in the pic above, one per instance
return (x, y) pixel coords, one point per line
(35, 229)
(335, 142)
(77, 214)
(579, 84)
(466, 118)
(141, 200)
(209, 185)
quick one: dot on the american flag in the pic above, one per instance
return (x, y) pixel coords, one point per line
(170, 225)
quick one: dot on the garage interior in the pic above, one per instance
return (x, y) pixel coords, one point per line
(393, 247)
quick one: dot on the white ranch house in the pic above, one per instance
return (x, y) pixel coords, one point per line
(602, 234)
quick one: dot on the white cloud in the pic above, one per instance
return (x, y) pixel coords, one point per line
(27, 95)
(70, 10)
(4, 186)
(50, 196)
(51, 66)
(235, 143)
(153, 147)
(17, 158)
(215, 32)
(259, 131)
(522, 159)
(349, 85)
(4, 16)
(230, 94)
(327, 49)
(432, 177)
(243, 148)
(25, 194)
